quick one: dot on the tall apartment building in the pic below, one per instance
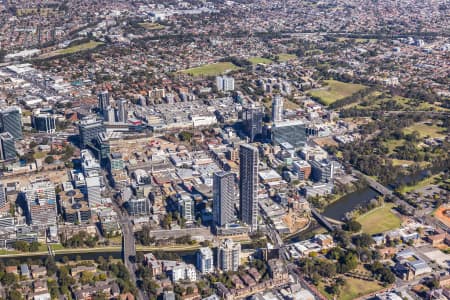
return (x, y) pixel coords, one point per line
(122, 112)
(253, 121)
(89, 130)
(109, 114)
(223, 198)
(3, 199)
(11, 121)
(7, 146)
(228, 256)
(225, 83)
(187, 208)
(103, 101)
(248, 185)
(41, 200)
(205, 260)
(277, 109)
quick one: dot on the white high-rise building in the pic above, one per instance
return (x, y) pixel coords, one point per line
(225, 83)
(187, 208)
(93, 188)
(41, 201)
(205, 260)
(277, 109)
(122, 113)
(223, 198)
(109, 115)
(228, 256)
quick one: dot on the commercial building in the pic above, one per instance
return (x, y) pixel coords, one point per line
(302, 169)
(139, 207)
(205, 260)
(292, 132)
(44, 122)
(223, 198)
(116, 161)
(7, 146)
(253, 121)
(41, 200)
(10, 121)
(93, 188)
(89, 130)
(228, 256)
(248, 185)
(73, 206)
(322, 171)
(277, 109)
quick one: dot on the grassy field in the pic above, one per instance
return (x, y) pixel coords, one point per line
(78, 48)
(211, 69)
(260, 60)
(39, 155)
(353, 288)
(379, 220)
(335, 90)
(426, 130)
(286, 56)
(151, 26)
(44, 12)
(357, 40)
(392, 144)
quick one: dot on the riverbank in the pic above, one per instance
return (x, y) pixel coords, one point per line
(338, 209)
(74, 251)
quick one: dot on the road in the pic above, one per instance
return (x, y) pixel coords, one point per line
(128, 239)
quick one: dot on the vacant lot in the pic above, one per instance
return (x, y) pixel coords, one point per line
(379, 220)
(286, 56)
(335, 90)
(353, 288)
(260, 60)
(82, 47)
(211, 69)
(426, 130)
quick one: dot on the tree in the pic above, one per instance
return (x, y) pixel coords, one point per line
(34, 246)
(347, 262)
(352, 225)
(363, 240)
(9, 279)
(86, 277)
(21, 246)
(15, 295)
(49, 159)
(185, 136)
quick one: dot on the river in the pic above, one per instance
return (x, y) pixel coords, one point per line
(347, 203)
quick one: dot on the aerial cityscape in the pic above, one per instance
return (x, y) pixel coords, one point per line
(224, 149)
